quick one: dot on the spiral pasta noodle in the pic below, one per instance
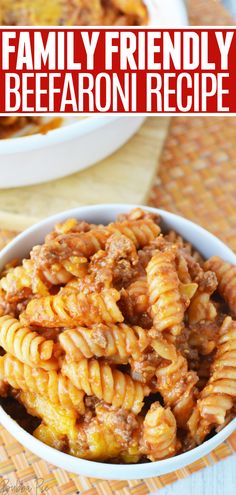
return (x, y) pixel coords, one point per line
(134, 303)
(185, 246)
(21, 281)
(72, 309)
(219, 395)
(116, 342)
(138, 294)
(177, 387)
(65, 255)
(57, 274)
(226, 276)
(141, 232)
(182, 270)
(201, 306)
(159, 433)
(56, 387)
(25, 344)
(86, 285)
(80, 244)
(71, 225)
(108, 384)
(167, 307)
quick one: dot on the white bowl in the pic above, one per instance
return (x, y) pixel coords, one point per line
(42, 157)
(208, 245)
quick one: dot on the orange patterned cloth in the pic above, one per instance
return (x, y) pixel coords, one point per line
(197, 179)
(197, 174)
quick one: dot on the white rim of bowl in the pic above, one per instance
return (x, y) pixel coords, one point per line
(132, 471)
(65, 133)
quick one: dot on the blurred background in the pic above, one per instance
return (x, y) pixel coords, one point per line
(231, 5)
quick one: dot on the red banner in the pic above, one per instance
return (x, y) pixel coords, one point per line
(100, 70)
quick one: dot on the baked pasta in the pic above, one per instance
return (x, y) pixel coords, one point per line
(14, 124)
(219, 395)
(226, 276)
(118, 341)
(73, 13)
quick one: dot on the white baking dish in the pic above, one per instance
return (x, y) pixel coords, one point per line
(73, 147)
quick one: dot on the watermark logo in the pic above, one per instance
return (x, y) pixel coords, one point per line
(36, 486)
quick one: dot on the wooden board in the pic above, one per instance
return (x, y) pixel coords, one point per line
(126, 177)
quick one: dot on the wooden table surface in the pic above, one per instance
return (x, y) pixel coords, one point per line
(219, 479)
(124, 177)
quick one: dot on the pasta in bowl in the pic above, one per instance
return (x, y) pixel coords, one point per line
(118, 339)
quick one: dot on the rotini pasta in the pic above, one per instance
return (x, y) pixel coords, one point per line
(218, 396)
(182, 269)
(167, 306)
(81, 244)
(134, 303)
(65, 255)
(27, 345)
(138, 295)
(116, 340)
(21, 281)
(201, 307)
(226, 276)
(55, 386)
(138, 214)
(176, 384)
(86, 285)
(108, 384)
(159, 433)
(141, 232)
(185, 246)
(57, 274)
(72, 225)
(72, 309)
(143, 368)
